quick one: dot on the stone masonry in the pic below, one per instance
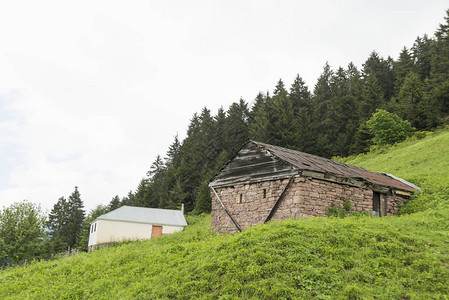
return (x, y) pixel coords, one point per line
(250, 204)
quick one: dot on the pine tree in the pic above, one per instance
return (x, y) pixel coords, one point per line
(203, 199)
(438, 83)
(58, 223)
(65, 222)
(302, 106)
(401, 68)
(76, 217)
(414, 106)
(299, 94)
(382, 70)
(282, 126)
(115, 203)
(173, 153)
(322, 114)
(141, 196)
(343, 115)
(257, 104)
(372, 98)
(258, 127)
(362, 140)
(220, 121)
(177, 196)
(236, 127)
(422, 56)
(352, 104)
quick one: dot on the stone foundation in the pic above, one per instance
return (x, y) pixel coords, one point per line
(250, 204)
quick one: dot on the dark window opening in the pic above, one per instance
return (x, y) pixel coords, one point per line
(264, 193)
(241, 198)
(376, 204)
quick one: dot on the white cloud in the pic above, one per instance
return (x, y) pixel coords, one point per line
(91, 92)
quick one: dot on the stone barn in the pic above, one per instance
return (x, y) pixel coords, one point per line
(264, 182)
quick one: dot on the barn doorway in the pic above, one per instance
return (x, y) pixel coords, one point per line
(379, 205)
(156, 231)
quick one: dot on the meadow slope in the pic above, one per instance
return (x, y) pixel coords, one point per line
(423, 162)
(405, 256)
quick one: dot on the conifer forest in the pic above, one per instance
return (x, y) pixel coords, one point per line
(330, 119)
(338, 116)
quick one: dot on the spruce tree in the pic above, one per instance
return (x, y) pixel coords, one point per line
(422, 56)
(382, 70)
(76, 217)
(115, 203)
(203, 200)
(372, 98)
(258, 127)
(141, 197)
(58, 225)
(343, 114)
(401, 68)
(322, 114)
(236, 127)
(220, 124)
(302, 106)
(438, 83)
(414, 106)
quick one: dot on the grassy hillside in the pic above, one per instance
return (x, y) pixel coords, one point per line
(325, 258)
(423, 162)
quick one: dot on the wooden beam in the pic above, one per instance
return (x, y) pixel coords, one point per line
(229, 214)
(278, 201)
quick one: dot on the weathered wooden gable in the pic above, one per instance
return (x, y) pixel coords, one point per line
(253, 164)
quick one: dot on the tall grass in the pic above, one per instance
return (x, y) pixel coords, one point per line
(423, 162)
(397, 257)
(401, 257)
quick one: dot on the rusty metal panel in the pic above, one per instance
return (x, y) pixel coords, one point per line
(305, 161)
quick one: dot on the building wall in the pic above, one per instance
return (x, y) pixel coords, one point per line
(108, 231)
(305, 198)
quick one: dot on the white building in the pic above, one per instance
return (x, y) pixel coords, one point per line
(134, 223)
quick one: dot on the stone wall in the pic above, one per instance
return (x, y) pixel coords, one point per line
(250, 204)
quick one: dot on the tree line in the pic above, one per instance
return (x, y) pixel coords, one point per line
(27, 233)
(343, 115)
(412, 92)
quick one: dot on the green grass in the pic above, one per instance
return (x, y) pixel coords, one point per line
(401, 257)
(423, 162)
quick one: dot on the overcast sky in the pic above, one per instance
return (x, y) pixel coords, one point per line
(92, 91)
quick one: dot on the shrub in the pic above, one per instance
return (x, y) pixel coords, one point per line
(347, 205)
(388, 128)
(336, 211)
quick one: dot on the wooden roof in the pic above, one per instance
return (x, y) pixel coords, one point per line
(307, 162)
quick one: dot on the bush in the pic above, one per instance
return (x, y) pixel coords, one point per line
(347, 205)
(336, 211)
(421, 134)
(388, 128)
